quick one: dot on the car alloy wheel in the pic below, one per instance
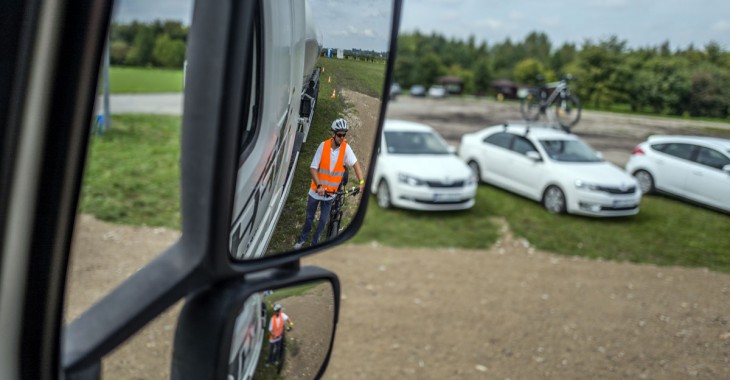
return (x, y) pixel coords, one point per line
(475, 169)
(384, 195)
(554, 200)
(646, 181)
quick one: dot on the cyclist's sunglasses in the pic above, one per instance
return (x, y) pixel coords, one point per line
(340, 134)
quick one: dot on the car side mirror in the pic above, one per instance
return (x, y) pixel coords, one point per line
(726, 169)
(260, 330)
(452, 149)
(533, 156)
(599, 155)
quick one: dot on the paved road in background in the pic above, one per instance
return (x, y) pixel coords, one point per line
(162, 104)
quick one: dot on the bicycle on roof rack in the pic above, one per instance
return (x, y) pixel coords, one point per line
(554, 100)
(334, 224)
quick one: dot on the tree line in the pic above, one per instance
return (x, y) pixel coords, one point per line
(693, 81)
(148, 44)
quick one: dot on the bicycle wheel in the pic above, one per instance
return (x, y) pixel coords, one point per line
(530, 106)
(333, 225)
(566, 111)
(333, 229)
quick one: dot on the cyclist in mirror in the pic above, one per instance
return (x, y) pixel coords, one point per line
(327, 170)
(276, 334)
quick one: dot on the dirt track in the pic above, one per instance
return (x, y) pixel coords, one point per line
(510, 312)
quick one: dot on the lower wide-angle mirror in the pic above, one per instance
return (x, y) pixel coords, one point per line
(280, 333)
(283, 334)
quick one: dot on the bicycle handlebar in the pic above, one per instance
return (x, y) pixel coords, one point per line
(352, 191)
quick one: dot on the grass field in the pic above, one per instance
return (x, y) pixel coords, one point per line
(665, 232)
(144, 80)
(133, 173)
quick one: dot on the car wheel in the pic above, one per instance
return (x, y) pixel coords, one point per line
(384, 195)
(475, 169)
(554, 200)
(646, 181)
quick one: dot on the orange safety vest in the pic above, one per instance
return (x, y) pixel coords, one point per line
(277, 327)
(330, 179)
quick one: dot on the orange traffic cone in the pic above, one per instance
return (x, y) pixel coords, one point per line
(322, 68)
(334, 92)
(329, 79)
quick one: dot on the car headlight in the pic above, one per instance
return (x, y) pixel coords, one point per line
(586, 186)
(471, 180)
(410, 180)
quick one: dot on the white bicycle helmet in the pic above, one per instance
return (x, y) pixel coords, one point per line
(340, 125)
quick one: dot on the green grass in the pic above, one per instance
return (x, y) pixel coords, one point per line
(361, 76)
(665, 232)
(144, 80)
(449, 229)
(133, 172)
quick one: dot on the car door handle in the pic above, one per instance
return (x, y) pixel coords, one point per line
(697, 173)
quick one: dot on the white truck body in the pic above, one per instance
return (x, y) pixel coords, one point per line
(288, 53)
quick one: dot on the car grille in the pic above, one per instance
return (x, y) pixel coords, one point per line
(439, 184)
(442, 202)
(616, 190)
(625, 208)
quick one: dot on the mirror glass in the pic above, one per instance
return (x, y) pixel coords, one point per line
(329, 65)
(284, 333)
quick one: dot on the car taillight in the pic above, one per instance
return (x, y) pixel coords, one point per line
(637, 150)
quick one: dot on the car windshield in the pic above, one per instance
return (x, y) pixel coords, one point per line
(569, 151)
(410, 142)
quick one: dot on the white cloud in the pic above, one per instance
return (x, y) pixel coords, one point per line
(490, 23)
(721, 26)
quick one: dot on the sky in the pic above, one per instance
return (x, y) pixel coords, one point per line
(347, 24)
(364, 24)
(640, 23)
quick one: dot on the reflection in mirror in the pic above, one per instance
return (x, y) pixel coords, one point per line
(329, 65)
(283, 334)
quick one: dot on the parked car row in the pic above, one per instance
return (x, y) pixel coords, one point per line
(417, 90)
(418, 170)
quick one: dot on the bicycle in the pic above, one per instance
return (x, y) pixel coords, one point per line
(565, 107)
(334, 223)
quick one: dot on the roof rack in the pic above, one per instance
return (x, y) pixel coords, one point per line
(531, 124)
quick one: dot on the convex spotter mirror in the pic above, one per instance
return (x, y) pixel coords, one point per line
(284, 332)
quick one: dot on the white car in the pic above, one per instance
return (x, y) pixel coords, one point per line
(416, 169)
(437, 91)
(695, 168)
(553, 167)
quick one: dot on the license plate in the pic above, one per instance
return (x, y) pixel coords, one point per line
(445, 197)
(624, 203)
